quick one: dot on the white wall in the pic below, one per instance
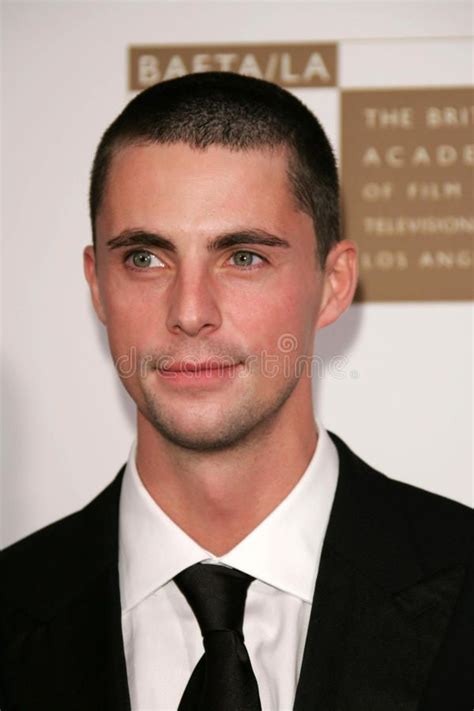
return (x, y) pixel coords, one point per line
(404, 401)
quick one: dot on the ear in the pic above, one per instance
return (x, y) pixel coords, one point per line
(90, 271)
(340, 282)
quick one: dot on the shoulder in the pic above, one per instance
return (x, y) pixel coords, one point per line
(423, 502)
(440, 528)
(67, 550)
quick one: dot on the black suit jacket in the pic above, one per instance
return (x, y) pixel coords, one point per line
(391, 626)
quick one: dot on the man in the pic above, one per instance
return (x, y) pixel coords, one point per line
(242, 558)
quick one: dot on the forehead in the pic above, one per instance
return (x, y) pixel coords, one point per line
(178, 186)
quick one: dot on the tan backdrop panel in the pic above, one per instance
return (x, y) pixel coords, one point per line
(290, 65)
(407, 168)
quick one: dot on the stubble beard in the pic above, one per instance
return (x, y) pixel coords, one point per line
(241, 422)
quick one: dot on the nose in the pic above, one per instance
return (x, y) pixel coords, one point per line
(193, 305)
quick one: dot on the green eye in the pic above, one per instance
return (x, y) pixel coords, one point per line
(244, 258)
(141, 259)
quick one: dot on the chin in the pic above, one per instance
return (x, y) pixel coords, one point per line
(211, 428)
(200, 430)
(200, 438)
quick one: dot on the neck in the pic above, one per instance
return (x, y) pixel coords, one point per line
(219, 497)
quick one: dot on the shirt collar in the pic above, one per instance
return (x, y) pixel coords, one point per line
(283, 550)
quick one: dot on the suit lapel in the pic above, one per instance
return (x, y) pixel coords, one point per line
(93, 625)
(70, 633)
(377, 620)
(95, 620)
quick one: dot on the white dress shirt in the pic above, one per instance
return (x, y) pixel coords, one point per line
(161, 636)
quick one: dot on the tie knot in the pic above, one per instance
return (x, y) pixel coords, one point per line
(216, 595)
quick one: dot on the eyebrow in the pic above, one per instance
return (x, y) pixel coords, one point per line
(144, 238)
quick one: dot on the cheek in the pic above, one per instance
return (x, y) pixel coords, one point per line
(275, 317)
(130, 321)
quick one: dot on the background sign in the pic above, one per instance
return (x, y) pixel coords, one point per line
(407, 173)
(290, 65)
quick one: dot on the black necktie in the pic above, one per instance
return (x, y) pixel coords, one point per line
(223, 679)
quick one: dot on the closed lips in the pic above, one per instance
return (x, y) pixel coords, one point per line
(197, 367)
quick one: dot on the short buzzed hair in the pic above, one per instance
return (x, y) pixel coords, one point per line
(240, 113)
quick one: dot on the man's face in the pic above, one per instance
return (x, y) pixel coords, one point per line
(206, 278)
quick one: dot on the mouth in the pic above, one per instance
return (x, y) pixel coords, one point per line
(193, 367)
(199, 373)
